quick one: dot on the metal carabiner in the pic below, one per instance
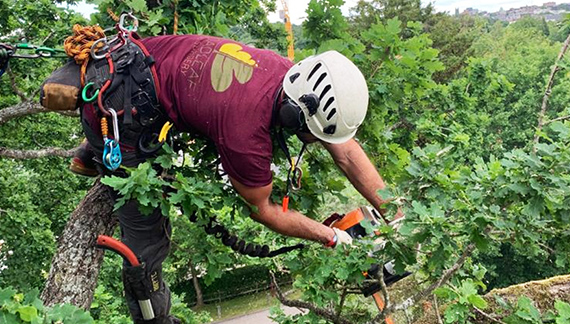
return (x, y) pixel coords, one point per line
(112, 157)
(94, 49)
(296, 176)
(84, 93)
(115, 121)
(126, 30)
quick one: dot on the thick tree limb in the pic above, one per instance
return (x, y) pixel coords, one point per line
(75, 267)
(28, 108)
(548, 90)
(328, 315)
(35, 154)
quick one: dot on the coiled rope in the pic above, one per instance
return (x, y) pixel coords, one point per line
(78, 46)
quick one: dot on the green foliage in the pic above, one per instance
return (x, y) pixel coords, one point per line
(19, 308)
(367, 13)
(200, 17)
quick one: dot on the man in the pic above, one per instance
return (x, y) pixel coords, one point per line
(237, 95)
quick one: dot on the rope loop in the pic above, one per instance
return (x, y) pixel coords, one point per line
(78, 46)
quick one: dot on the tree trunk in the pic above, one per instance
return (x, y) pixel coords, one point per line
(75, 266)
(199, 296)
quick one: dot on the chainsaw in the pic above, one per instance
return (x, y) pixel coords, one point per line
(352, 223)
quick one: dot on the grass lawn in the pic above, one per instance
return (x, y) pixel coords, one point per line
(241, 305)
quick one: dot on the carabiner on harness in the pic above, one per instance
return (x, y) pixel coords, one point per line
(112, 157)
(85, 90)
(124, 29)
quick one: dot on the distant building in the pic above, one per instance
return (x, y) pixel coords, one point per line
(550, 11)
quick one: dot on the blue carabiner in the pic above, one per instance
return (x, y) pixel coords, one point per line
(112, 157)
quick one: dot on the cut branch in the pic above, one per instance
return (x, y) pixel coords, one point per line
(328, 315)
(28, 108)
(35, 154)
(548, 91)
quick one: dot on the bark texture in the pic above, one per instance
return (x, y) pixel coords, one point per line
(75, 266)
(543, 293)
(36, 154)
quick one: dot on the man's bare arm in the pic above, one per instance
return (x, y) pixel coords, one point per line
(290, 223)
(355, 164)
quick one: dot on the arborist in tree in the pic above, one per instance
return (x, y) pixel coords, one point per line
(130, 90)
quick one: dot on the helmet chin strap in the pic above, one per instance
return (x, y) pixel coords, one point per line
(294, 174)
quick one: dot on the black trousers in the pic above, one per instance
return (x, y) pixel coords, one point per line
(148, 236)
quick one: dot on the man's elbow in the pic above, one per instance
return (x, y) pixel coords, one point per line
(263, 214)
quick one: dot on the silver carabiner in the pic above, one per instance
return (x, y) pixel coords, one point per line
(115, 122)
(135, 24)
(105, 48)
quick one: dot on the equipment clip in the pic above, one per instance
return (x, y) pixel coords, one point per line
(112, 157)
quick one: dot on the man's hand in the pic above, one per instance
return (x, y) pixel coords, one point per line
(342, 237)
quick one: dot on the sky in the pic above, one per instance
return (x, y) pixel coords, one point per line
(297, 7)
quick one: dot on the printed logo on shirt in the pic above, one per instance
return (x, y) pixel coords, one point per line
(231, 61)
(193, 64)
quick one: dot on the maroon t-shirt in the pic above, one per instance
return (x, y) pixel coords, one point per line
(224, 90)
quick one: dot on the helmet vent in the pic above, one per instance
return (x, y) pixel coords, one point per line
(315, 69)
(294, 77)
(329, 102)
(327, 88)
(330, 129)
(331, 114)
(321, 78)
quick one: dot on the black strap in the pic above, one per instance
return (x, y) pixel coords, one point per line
(127, 106)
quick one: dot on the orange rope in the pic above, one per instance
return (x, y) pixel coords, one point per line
(78, 46)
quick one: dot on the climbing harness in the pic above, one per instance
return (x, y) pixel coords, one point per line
(119, 84)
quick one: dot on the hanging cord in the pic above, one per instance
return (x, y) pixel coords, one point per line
(112, 15)
(175, 28)
(78, 46)
(253, 250)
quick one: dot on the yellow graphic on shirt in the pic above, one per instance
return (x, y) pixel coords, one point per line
(231, 61)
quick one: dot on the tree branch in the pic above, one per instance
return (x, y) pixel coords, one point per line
(14, 86)
(29, 108)
(547, 92)
(436, 309)
(556, 119)
(35, 154)
(445, 278)
(330, 316)
(495, 320)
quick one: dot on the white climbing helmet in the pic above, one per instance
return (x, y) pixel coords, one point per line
(332, 93)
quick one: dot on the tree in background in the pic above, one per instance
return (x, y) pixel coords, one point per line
(367, 13)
